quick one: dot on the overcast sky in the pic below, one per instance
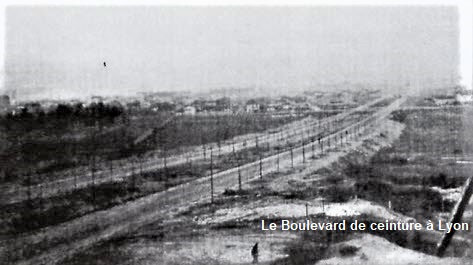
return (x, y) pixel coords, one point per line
(58, 52)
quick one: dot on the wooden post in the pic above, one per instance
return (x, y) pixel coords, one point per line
(456, 217)
(204, 152)
(277, 160)
(260, 167)
(239, 174)
(313, 148)
(93, 180)
(292, 158)
(211, 177)
(165, 160)
(133, 173)
(28, 193)
(303, 152)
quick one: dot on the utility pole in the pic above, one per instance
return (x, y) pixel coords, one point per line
(239, 173)
(313, 147)
(165, 160)
(133, 173)
(292, 158)
(204, 152)
(303, 151)
(456, 217)
(277, 160)
(211, 177)
(93, 180)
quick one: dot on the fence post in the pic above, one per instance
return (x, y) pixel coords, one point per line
(313, 148)
(239, 174)
(292, 158)
(456, 217)
(204, 152)
(303, 152)
(211, 177)
(260, 166)
(278, 160)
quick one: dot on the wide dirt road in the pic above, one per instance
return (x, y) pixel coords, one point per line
(290, 133)
(53, 244)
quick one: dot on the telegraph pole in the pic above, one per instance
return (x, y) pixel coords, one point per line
(303, 150)
(239, 173)
(278, 159)
(321, 146)
(292, 158)
(211, 177)
(456, 217)
(260, 166)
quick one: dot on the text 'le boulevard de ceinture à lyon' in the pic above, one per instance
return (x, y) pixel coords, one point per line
(309, 225)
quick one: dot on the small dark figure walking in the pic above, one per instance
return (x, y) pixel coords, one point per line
(254, 253)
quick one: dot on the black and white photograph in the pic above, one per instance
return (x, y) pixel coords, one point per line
(236, 132)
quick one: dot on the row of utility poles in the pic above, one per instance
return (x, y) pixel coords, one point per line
(347, 135)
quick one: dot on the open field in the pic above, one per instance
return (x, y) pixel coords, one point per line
(118, 219)
(368, 176)
(291, 134)
(411, 161)
(67, 206)
(64, 145)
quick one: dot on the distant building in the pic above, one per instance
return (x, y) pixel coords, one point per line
(444, 100)
(223, 104)
(272, 108)
(205, 105)
(189, 110)
(464, 96)
(4, 102)
(252, 106)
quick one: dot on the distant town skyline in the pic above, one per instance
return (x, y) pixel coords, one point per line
(59, 52)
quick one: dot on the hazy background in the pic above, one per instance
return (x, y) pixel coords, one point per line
(58, 52)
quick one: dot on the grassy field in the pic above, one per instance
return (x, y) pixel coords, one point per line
(65, 207)
(44, 150)
(412, 174)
